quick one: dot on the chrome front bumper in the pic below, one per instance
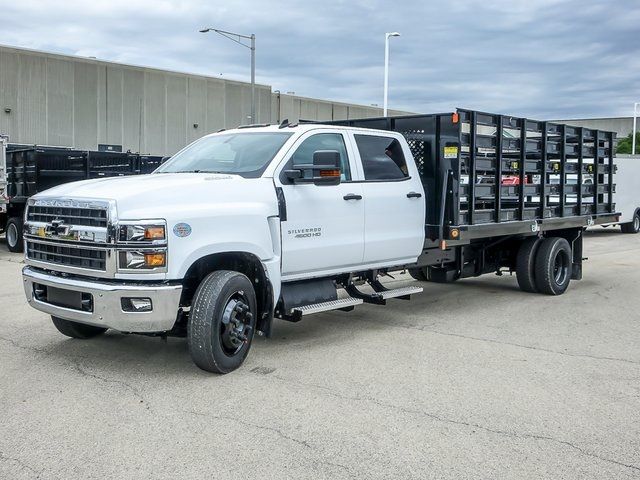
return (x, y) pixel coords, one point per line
(107, 302)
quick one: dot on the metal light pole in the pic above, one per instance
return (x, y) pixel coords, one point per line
(633, 135)
(386, 67)
(236, 37)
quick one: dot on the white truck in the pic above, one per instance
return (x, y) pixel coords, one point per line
(627, 194)
(263, 222)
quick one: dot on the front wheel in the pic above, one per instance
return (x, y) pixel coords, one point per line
(222, 321)
(13, 233)
(633, 226)
(75, 329)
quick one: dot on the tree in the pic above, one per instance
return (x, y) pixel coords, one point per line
(624, 145)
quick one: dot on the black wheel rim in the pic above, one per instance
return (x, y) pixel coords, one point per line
(235, 324)
(561, 267)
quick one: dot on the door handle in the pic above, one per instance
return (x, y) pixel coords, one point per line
(414, 195)
(352, 196)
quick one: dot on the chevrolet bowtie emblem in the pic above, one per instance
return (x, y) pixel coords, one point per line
(57, 228)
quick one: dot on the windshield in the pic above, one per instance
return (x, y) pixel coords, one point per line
(246, 154)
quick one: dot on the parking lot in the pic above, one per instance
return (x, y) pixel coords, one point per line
(471, 380)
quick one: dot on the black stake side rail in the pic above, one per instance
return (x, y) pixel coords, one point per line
(32, 169)
(511, 175)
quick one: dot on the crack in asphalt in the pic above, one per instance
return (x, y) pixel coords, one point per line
(83, 371)
(278, 432)
(77, 366)
(21, 464)
(251, 424)
(531, 347)
(20, 346)
(443, 419)
(427, 328)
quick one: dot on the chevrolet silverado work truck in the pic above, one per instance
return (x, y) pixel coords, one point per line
(283, 221)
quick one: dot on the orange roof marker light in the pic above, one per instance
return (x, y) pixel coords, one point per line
(455, 118)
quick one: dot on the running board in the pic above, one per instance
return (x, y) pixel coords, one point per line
(380, 297)
(401, 293)
(345, 304)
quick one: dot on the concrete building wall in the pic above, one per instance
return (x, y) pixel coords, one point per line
(82, 102)
(295, 108)
(621, 125)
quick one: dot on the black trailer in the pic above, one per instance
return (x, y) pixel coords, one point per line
(31, 169)
(506, 193)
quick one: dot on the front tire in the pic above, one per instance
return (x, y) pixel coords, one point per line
(222, 321)
(633, 226)
(75, 329)
(553, 266)
(13, 233)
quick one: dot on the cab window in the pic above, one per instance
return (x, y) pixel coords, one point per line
(382, 158)
(322, 141)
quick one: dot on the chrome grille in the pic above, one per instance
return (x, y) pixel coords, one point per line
(89, 217)
(67, 255)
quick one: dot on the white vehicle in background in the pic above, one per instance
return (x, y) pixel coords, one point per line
(628, 194)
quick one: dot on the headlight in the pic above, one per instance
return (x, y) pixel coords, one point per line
(142, 260)
(141, 233)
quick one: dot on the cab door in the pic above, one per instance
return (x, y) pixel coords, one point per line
(324, 228)
(394, 199)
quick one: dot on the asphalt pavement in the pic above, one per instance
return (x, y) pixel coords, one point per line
(472, 380)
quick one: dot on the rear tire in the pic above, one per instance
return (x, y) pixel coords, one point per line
(222, 321)
(633, 226)
(526, 265)
(13, 233)
(75, 329)
(553, 266)
(418, 274)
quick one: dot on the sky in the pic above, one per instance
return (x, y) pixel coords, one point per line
(547, 59)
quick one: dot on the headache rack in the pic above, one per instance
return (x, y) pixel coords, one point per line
(34, 168)
(488, 174)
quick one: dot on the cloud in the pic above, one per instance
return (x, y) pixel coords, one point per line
(543, 58)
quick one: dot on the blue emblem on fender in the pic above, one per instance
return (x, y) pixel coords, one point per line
(182, 229)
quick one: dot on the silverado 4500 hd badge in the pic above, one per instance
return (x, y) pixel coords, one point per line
(305, 232)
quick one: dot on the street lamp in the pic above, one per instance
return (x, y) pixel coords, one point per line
(633, 136)
(386, 67)
(238, 38)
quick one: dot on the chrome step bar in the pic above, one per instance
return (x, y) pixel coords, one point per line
(381, 294)
(327, 306)
(398, 292)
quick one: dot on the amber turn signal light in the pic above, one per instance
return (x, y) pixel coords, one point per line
(329, 173)
(154, 233)
(155, 259)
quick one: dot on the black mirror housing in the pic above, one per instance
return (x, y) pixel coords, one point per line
(325, 169)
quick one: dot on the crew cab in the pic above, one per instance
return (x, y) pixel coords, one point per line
(263, 222)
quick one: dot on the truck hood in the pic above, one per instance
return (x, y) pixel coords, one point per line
(168, 194)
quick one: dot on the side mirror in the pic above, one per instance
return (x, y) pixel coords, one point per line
(325, 169)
